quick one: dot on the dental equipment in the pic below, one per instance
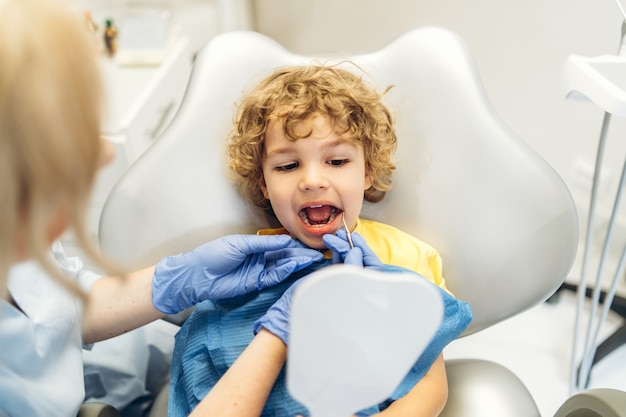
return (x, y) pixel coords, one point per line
(348, 233)
(596, 79)
(621, 9)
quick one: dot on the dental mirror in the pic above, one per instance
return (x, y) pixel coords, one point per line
(355, 333)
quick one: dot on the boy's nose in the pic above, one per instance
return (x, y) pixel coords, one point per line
(313, 179)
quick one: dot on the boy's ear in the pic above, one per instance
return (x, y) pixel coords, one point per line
(263, 188)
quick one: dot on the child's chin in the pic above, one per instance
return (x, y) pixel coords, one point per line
(313, 242)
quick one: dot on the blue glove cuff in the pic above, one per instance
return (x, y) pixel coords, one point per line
(276, 326)
(169, 294)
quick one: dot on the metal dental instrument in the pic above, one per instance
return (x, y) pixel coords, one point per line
(343, 216)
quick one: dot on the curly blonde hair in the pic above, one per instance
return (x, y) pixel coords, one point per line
(293, 94)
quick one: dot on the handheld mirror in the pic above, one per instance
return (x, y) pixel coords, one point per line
(355, 333)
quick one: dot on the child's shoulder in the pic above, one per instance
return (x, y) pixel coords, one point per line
(376, 225)
(378, 229)
(386, 235)
(396, 247)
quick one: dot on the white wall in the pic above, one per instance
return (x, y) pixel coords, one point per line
(519, 46)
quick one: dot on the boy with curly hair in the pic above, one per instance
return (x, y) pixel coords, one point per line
(309, 144)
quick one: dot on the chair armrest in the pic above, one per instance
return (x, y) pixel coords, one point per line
(600, 402)
(483, 388)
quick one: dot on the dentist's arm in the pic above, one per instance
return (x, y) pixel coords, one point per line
(223, 268)
(117, 305)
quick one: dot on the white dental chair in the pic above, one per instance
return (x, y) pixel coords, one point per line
(501, 218)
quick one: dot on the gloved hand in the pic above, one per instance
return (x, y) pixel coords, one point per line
(227, 267)
(360, 255)
(277, 317)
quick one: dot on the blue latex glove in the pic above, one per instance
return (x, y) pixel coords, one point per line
(360, 255)
(227, 267)
(277, 317)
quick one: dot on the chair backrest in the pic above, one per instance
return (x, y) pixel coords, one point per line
(502, 219)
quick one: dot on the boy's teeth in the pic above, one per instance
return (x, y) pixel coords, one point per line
(318, 217)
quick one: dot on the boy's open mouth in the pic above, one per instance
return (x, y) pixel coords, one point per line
(319, 214)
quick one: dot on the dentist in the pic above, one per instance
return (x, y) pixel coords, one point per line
(50, 151)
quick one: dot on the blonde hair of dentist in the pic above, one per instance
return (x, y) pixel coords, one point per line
(352, 105)
(50, 112)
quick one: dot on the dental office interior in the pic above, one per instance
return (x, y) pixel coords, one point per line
(522, 51)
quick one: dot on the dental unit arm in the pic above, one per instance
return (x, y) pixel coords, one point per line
(602, 80)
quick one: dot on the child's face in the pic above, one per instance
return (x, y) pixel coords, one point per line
(312, 182)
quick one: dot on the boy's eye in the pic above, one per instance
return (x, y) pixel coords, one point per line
(338, 162)
(287, 167)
